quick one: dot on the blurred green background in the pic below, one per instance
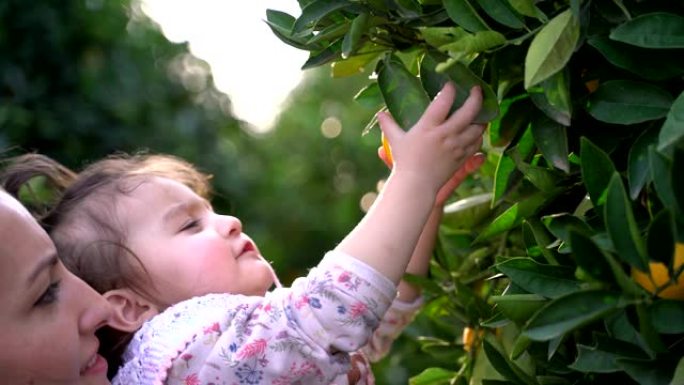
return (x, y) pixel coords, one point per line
(83, 79)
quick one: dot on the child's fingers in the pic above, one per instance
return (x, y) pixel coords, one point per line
(474, 162)
(439, 108)
(468, 111)
(389, 126)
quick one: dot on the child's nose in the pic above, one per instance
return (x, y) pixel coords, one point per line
(228, 225)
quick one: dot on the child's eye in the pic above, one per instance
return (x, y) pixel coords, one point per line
(50, 295)
(190, 225)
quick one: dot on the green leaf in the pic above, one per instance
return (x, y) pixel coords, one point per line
(560, 225)
(603, 356)
(597, 168)
(325, 56)
(505, 176)
(667, 316)
(650, 64)
(465, 15)
(433, 376)
(351, 40)
(671, 133)
(474, 43)
(513, 216)
(662, 178)
(570, 312)
(660, 238)
(316, 10)
(653, 30)
(541, 239)
(551, 48)
(678, 377)
(329, 34)
(352, 66)
(500, 11)
(628, 102)
(638, 170)
(622, 227)
(503, 365)
(649, 372)
(370, 96)
(620, 328)
(552, 140)
(547, 280)
(441, 36)
(590, 258)
(525, 7)
(402, 92)
(553, 97)
(516, 117)
(433, 81)
(281, 25)
(518, 307)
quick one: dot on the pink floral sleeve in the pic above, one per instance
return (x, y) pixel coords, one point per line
(303, 334)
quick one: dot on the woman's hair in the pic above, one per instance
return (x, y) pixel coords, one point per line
(82, 219)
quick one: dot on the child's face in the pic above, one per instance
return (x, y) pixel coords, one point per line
(48, 317)
(186, 248)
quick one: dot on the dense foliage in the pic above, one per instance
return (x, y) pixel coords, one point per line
(542, 274)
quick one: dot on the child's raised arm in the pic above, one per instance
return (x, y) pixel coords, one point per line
(425, 157)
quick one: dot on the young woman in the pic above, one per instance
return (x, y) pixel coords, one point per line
(48, 317)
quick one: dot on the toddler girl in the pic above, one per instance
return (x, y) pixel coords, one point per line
(192, 287)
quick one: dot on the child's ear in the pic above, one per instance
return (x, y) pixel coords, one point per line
(131, 309)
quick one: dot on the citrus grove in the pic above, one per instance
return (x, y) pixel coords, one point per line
(561, 261)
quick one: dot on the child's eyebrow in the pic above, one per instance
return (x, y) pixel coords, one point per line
(183, 208)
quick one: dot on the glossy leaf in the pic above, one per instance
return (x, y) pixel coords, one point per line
(653, 30)
(546, 280)
(649, 372)
(638, 170)
(518, 307)
(351, 40)
(650, 64)
(622, 226)
(525, 7)
(570, 312)
(560, 225)
(465, 15)
(281, 25)
(515, 119)
(551, 48)
(315, 11)
(500, 11)
(597, 169)
(352, 66)
(667, 316)
(504, 177)
(503, 365)
(678, 377)
(475, 43)
(464, 79)
(552, 96)
(662, 178)
(628, 102)
(433, 376)
(552, 140)
(402, 92)
(513, 216)
(672, 132)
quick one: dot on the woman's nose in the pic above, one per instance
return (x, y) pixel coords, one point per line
(228, 225)
(95, 310)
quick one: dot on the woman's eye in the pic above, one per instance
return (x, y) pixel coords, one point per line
(50, 295)
(190, 225)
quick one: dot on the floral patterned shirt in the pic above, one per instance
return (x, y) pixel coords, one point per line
(298, 335)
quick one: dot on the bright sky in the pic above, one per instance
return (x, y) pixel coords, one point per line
(247, 60)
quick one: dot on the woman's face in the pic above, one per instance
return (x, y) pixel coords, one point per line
(48, 317)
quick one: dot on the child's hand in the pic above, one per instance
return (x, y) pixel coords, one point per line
(471, 165)
(437, 145)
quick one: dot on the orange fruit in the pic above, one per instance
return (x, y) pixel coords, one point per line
(388, 150)
(471, 337)
(660, 276)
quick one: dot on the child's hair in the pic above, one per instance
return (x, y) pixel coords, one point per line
(83, 223)
(90, 238)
